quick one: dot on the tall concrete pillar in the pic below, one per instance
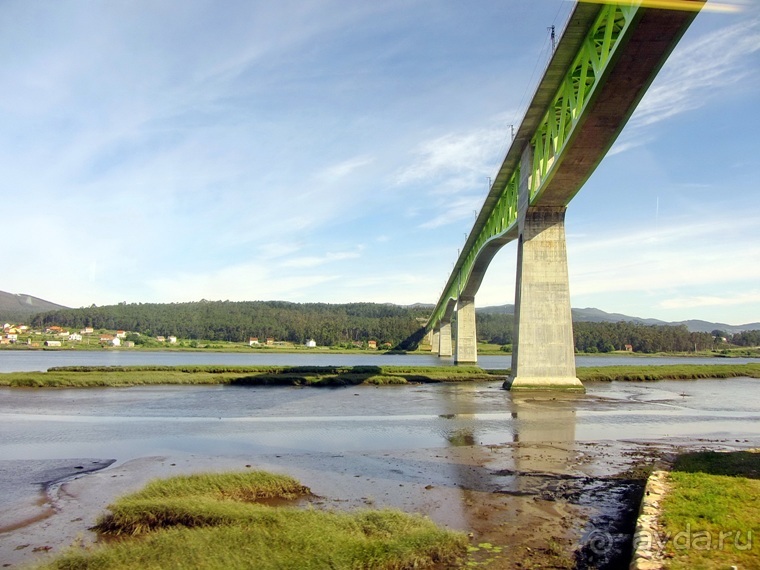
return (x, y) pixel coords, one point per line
(435, 342)
(444, 337)
(467, 341)
(543, 355)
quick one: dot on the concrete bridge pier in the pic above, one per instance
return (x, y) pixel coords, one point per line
(444, 340)
(467, 342)
(435, 341)
(544, 356)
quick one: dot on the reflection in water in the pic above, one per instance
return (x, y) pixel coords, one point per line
(517, 469)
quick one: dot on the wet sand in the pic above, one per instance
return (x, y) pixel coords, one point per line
(533, 504)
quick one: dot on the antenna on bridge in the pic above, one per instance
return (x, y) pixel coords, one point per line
(554, 43)
(512, 130)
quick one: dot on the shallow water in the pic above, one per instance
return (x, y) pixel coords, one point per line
(510, 468)
(124, 423)
(41, 360)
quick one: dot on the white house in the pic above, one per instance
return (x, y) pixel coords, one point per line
(116, 341)
(311, 343)
(172, 340)
(75, 336)
(52, 343)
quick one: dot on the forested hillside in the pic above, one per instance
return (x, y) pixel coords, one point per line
(238, 321)
(331, 325)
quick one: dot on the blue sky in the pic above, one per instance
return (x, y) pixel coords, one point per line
(337, 151)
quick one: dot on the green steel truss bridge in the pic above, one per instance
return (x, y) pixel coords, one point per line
(608, 55)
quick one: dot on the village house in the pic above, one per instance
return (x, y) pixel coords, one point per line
(52, 343)
(372, 344)
(172, 340)
(161, 338)
(121, 334)
(87, 330)
(53, 330)
(253, 341)
(311, 343)
(129, 344)
(75, 337)
(270, 341)
(628, 348)
(11, 337)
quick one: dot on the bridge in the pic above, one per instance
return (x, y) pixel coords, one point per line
(608, 55)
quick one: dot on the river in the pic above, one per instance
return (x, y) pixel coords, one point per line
(509, 468)
(41, 360)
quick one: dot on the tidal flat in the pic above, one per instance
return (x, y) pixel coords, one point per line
(534, 479)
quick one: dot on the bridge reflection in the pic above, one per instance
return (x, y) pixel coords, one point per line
(537, 494)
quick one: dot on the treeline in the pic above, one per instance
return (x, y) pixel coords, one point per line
(331, 325)
(607, 337)
(230, 321)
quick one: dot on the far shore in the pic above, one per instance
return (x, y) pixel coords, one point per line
(484, 349)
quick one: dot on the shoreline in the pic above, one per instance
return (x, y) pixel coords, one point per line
(367, 352)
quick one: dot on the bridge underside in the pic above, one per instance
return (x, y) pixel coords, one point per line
(603, 65)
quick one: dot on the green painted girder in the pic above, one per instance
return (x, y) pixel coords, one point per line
(497, 221)
(577, 90)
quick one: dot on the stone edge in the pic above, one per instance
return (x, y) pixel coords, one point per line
(646, 555)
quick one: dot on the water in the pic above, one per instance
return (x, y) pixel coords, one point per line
(37, 360)
(124, 423)
(506, 467)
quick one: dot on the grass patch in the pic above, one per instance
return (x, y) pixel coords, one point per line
(333, 376)
(666, 372)
(318, 376)
(711, 515)
(209, 521)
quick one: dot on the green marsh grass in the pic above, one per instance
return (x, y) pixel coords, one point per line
(711, 514)
(334, 376)
(209, 521)
(666, 372)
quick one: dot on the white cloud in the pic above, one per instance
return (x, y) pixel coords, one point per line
(343, 169)
(315, 261)
(455, 210)
(729, 299)
(469, 154)
(242, 282)
(698, 72)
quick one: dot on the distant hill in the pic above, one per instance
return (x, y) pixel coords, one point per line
(18, 308)
(704, 326)
(591, 315)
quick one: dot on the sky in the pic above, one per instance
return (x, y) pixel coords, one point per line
(337, 151)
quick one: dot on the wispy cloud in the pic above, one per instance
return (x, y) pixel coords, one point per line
(315, 261)
(696, 73)
(344, 168)
(730, 299)
(470, 154)
(454, 210)
(242, 282)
